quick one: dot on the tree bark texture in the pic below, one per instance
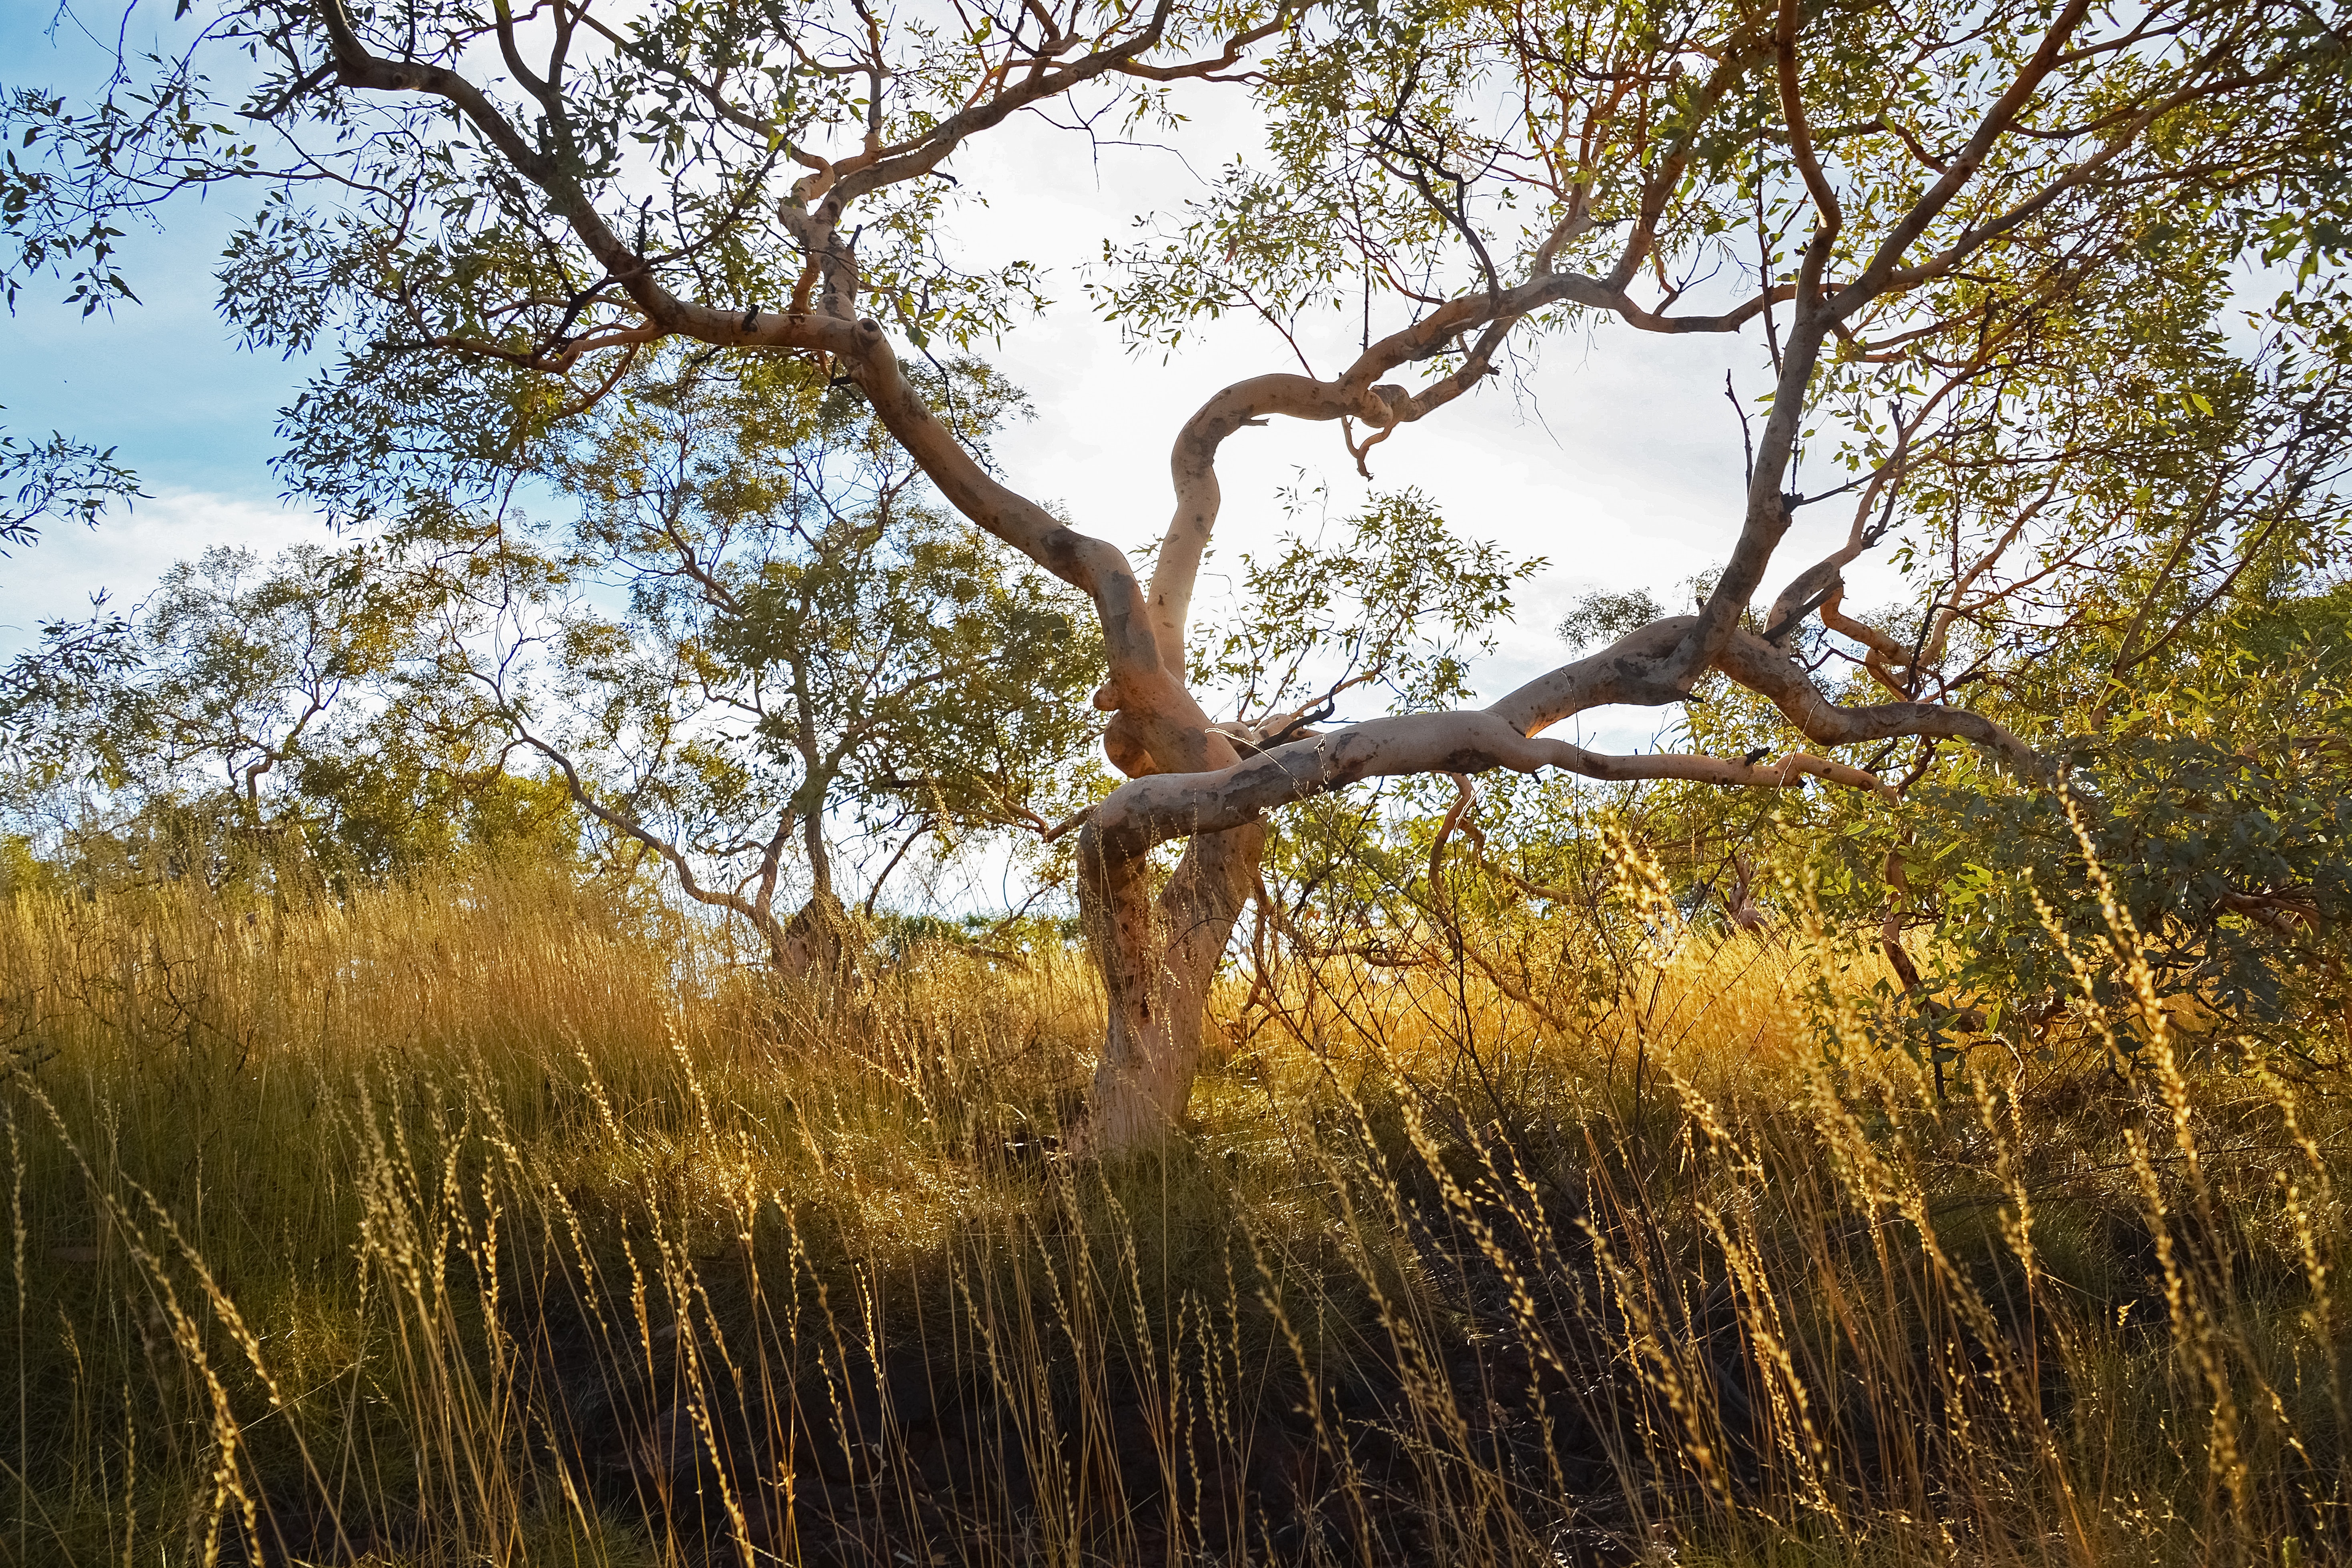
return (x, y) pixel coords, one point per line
(1158, 957)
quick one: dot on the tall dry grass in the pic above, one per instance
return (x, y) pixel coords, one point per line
(483, 1221)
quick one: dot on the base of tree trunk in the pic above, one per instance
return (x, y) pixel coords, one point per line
(820, 942)
(1158, 957)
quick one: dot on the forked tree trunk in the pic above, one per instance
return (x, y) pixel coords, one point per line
(1158, 957)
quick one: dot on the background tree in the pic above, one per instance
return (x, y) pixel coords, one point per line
(1930, 220)
(1399, 602)
(233, 668)
(258, 721)
(809, 644)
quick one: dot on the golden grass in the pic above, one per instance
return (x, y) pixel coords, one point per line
(488, 1221)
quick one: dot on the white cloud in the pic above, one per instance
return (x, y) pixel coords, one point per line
(128, 552)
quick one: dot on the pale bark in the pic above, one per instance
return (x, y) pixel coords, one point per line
(1159, 958)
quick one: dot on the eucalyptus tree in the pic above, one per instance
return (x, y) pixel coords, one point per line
(224, 687)
(1920, 213)
(771, 633)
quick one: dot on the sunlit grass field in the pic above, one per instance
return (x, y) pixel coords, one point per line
(488, 1221)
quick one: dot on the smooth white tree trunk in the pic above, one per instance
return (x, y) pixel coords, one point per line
(1158, 957)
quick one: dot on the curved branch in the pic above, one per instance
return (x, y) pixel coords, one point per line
(870, 171)
(1627, 671)
(759, 911)
(1175, 726)
(1766, 669)
(1820, 308)
(1800, 137)
(1163, 806)
(1148, 811)
(1879, 272)
(1881, 656)
(1351, 394)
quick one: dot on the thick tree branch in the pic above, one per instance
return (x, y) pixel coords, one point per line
(1148, 811)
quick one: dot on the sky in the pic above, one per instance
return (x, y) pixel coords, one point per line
(1617, 458)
